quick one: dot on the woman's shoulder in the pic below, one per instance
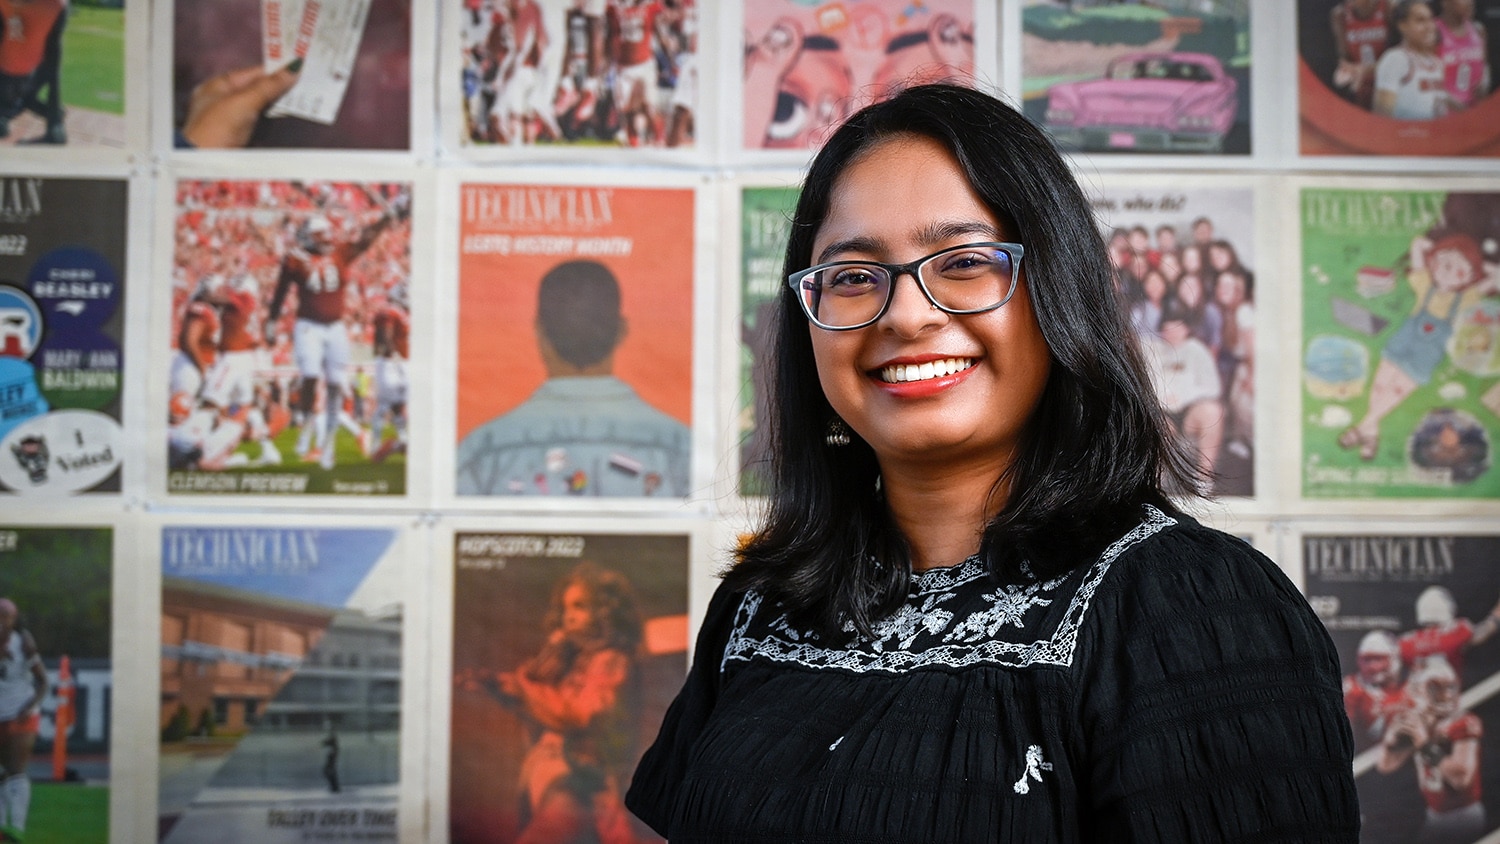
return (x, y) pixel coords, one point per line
(1397, 56)
(1180, 551)
(1184, 577)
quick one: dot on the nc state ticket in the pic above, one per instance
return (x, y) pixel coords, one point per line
(326, 37)
(280, 21)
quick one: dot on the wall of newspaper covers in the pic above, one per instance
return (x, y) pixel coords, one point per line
(296, 489)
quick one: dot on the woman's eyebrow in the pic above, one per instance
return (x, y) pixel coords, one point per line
(940, 232)
(868, 245)
(929, 235)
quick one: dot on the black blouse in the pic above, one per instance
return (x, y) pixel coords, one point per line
(1176, 689)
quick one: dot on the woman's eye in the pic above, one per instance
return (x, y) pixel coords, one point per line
(970, 264)
(853, 280)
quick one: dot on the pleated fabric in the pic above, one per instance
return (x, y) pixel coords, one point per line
(1177, 689)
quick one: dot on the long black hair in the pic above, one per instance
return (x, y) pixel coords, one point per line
(1097, 447)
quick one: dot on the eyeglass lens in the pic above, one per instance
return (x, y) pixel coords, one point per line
(965, 278)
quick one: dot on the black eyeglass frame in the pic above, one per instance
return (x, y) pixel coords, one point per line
(1015, 250)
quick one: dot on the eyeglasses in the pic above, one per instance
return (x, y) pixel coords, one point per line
(968, 279)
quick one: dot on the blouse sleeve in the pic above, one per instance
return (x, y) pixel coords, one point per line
(1208, 701)
(659, 774)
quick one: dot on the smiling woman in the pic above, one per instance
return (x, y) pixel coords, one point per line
(973, 612)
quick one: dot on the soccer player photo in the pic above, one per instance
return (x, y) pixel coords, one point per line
(62, 326)
(56, 684)
(290, 332)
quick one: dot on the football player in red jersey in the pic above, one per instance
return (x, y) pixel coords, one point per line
(200, 434)
(318, 267)
(524, 106)
(1442, 633)
(578, 88)
(197, 347)
(392, 324)
(631, 40)
(1375, 693)
(231, 382)
(1443, 740)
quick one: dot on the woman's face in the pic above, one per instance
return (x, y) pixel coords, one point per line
(1166, 240)
(1190, 290)
(1219, 257)
(1170, 266)
(900, 201)
(1418, 30)
(1155, 286)
(577, 610)
(1229, 289)
(1192, 260)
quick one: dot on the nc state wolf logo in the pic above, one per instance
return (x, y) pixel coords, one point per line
(31, 453)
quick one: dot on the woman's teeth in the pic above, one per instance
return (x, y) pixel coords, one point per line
(903, 372)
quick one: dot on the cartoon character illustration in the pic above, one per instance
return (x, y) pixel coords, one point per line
(1448, 276)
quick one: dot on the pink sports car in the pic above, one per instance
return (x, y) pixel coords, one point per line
(1148, 102)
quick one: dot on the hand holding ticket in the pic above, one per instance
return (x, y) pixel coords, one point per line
(223, 110)
(323, 34)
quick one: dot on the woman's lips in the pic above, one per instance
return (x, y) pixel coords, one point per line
(916, 380)
(904, 373)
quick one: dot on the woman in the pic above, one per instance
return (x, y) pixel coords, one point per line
(1145, 313)
(1409, 76)
(572, 693)
(23, 684)
(1200, 313)
(1237, 355)
(972, 613)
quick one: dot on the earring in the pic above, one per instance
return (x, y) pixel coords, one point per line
(838, 433)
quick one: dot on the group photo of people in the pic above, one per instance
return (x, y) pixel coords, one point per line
(580, 71)
(1192, 305)
(290, 324)
(1406, 59)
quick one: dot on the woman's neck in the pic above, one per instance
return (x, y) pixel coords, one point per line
(942, 513)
